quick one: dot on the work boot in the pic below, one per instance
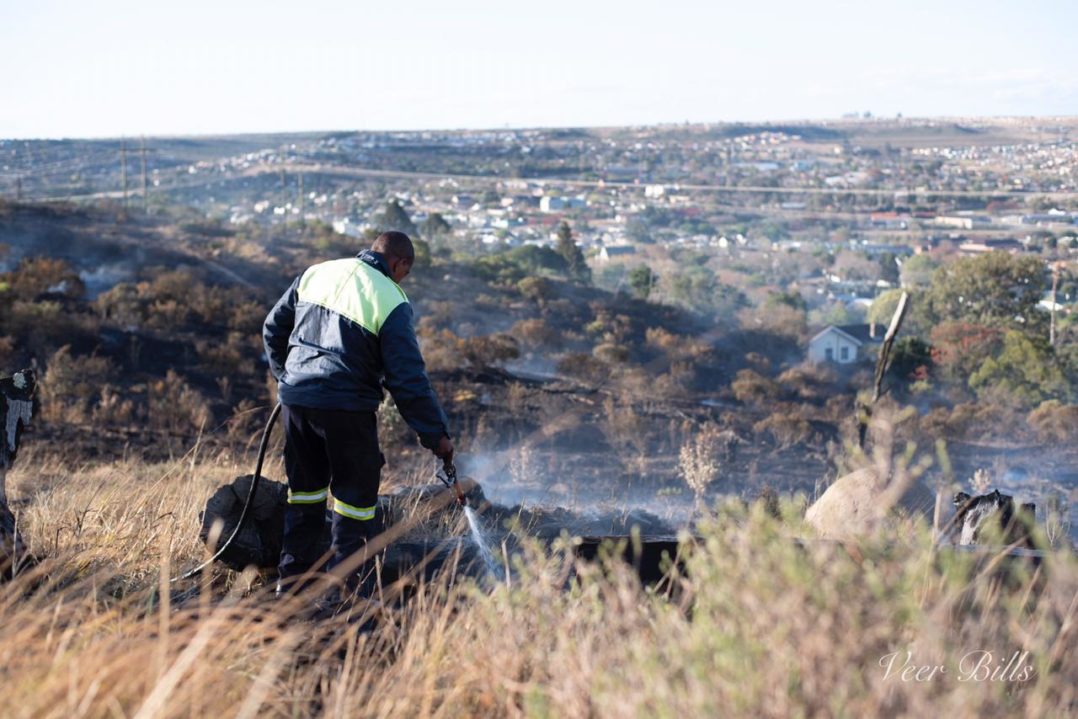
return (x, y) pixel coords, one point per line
(294, 585)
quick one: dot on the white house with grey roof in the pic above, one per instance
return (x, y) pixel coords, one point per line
(843, 344)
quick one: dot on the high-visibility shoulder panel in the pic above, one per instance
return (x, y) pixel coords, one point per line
(353, 289)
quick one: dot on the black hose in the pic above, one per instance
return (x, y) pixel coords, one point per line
(246, 504)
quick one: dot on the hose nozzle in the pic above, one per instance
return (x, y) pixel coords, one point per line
(452, 483)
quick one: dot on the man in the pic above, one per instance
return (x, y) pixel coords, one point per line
(340, 329)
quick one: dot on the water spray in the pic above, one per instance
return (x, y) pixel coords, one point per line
(448, 477)
(451, 482)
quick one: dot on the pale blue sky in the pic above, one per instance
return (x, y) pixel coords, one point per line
(120, 67)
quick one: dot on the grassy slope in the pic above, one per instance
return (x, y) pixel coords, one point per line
(760, 627)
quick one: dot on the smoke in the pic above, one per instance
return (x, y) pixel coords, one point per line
(105, 277)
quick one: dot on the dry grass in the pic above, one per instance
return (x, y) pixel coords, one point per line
(759, 626)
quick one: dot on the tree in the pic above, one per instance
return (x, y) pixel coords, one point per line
(435, 226)
(883, 307)
(911, 359)
(394, 217)
(571, 252)
(855, 267)
(793, 300)
(422, 252)
(994, 289)
(889, 268)
(697, 288)
(641, 280)
(917, 271)
(538, 289)
(1025, 373)
(536, 260)
(958, 348)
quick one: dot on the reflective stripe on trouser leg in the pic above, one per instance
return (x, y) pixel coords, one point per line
(314, 497)
(352, 512)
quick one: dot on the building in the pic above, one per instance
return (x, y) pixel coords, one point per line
(977, 247)
(556, 204)
(845, 344)
(551, 204)
(889, 221)
(609, 252)
(961, 223)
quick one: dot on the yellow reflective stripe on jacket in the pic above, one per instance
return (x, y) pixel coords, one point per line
(353, 289)
(308, 497)
(361, 513)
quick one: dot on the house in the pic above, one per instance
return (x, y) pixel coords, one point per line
(551, 204)
(843, 344)
(977, 247)
(889, 221)
(556, 204)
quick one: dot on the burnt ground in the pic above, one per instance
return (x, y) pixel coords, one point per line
(537, 436)
(551, 442)
(559, 449)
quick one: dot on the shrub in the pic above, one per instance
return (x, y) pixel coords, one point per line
(70, 383)
(112, 408)
(536, 334)
(623, 427)
(807, 381)
(488, 350)
(1054, 421)
(537, 289)
(611, 353)
(36, 276)
(973, 421)
(786, 430)
(699, 461)
(1023, 373)
(173, 406)
(751, 387)
(231, 357)
(584, 367)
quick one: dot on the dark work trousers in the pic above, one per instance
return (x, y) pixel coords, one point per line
(329, 455)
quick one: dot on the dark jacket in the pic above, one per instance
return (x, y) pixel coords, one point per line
(340, 329)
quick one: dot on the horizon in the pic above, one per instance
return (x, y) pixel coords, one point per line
(122, 69)
(782, 121)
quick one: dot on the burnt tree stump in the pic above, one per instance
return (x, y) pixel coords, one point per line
(17, 406)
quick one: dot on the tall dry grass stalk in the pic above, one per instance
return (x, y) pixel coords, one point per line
(757, 625)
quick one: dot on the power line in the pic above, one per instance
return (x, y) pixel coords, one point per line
(145, 191)
(123, 169)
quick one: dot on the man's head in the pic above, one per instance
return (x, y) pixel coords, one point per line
(397, 248)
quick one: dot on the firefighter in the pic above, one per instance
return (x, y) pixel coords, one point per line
(342, 330)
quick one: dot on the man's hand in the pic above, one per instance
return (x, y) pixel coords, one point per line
(444, 450)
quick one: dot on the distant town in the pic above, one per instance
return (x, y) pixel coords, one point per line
(825, 208)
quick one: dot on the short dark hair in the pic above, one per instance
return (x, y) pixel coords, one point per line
(395, 245)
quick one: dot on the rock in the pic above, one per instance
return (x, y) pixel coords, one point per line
(259, 543)
(858, 504)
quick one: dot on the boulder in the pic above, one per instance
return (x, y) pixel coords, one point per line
(425, 548)
(860, 502)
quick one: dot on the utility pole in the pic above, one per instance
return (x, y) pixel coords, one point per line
(1052, 309)
(145, 186)
(300, 203)
(18, 188)
(123, 169)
